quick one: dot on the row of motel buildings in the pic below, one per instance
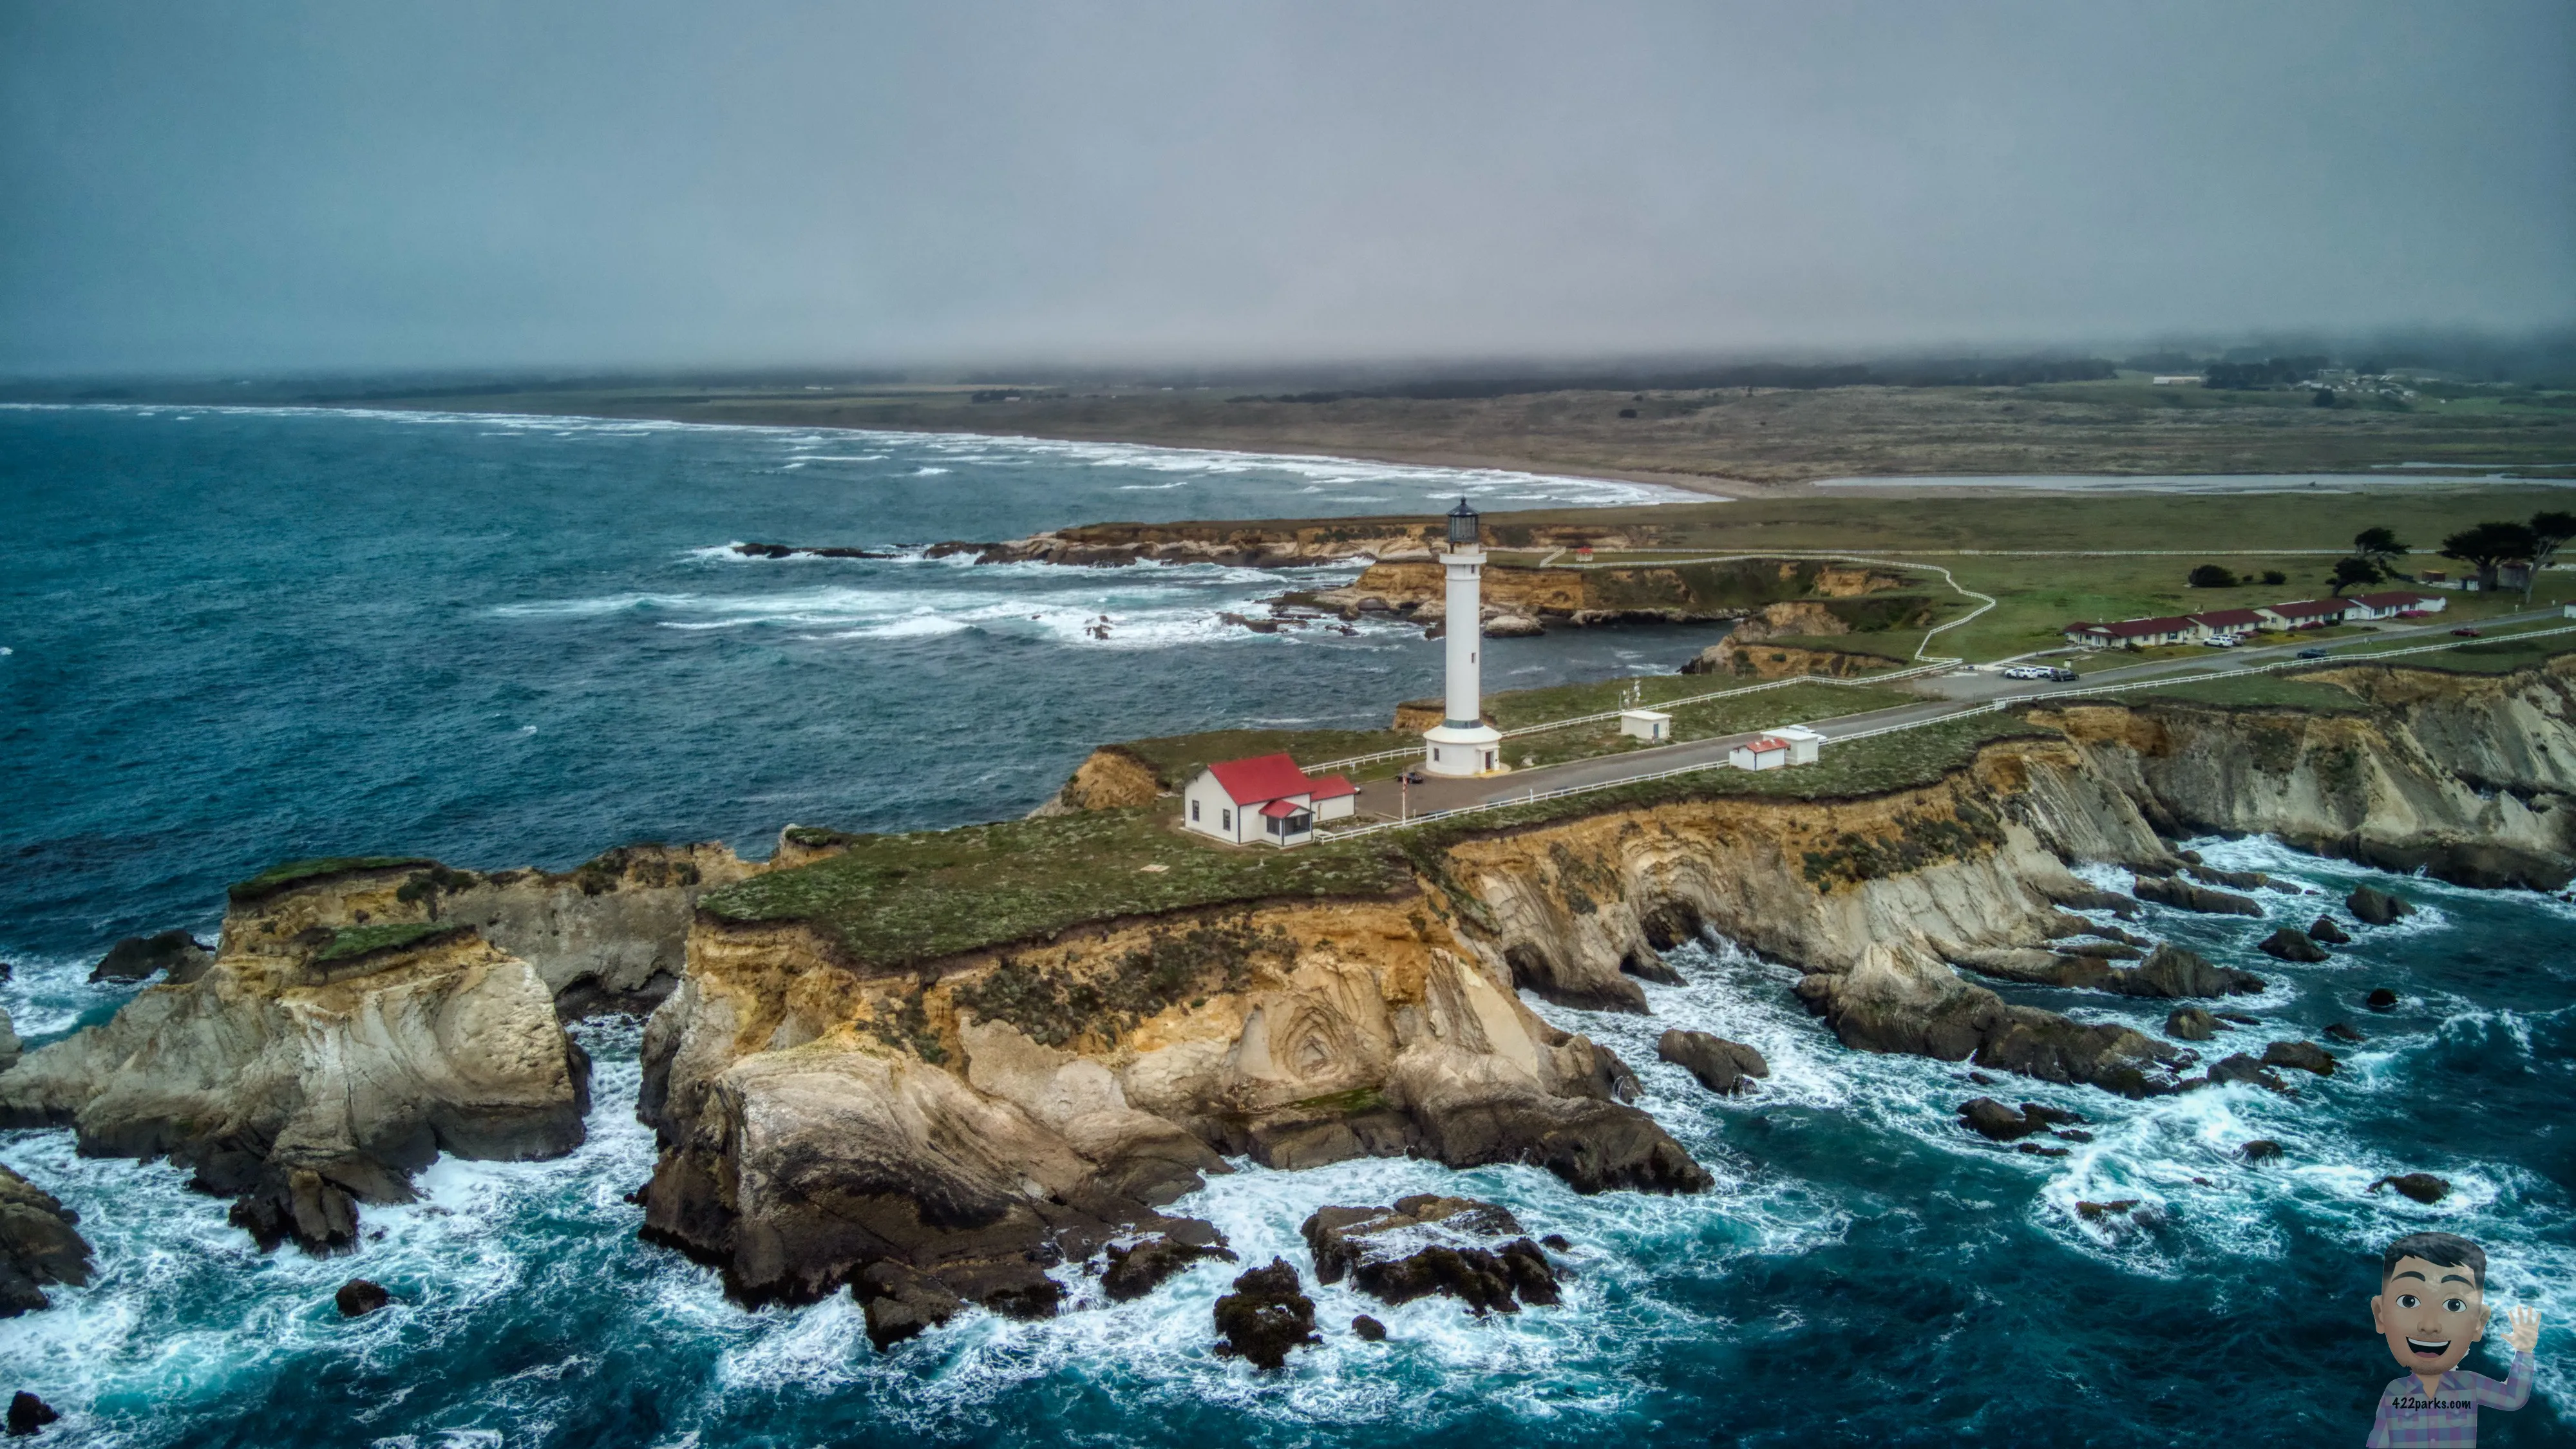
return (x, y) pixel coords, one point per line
(2237, 623)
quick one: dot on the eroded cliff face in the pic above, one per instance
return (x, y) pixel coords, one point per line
(2463, 776)
(610, 934)
(1271, 545)
(304, 1082)
(980, 1120)
(1873, 899)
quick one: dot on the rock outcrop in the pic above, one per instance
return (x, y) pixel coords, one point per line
(40, 1246)
(2464, 776)
(1265, 1317)
(607, 935)
(1424, 1244)
(817, 1121)
(139, 958)
(1722, 1066)
(306, 1075)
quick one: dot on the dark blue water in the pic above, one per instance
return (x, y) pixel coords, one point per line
(238, 637)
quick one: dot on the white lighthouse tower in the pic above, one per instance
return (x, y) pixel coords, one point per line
(1462, 743)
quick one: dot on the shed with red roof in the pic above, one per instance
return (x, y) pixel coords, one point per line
(1264, 800)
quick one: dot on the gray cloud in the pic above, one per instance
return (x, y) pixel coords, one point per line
(273, 186)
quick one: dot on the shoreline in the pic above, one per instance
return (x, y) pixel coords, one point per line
(1721, 443)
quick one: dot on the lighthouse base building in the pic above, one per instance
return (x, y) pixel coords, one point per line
(1462, 743)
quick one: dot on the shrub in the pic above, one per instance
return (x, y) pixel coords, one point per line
(2211, 576)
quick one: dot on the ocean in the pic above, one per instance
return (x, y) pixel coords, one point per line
(237, 636)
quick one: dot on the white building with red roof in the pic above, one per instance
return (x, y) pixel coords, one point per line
(2395, 604)
(1265, 800)
(2306, 613)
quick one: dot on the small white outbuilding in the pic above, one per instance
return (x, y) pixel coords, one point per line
(1770, 752)
(1804, 744)
(1646, 724)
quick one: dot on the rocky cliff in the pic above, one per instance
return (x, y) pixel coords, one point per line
(2465, 776)
(1677, 593)
(1274, 544)
(306, 1075)
(975, 1121)
(1756, 647)
(609, 934)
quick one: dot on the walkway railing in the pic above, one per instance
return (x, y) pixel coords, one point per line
(1989, 707)
(1930, 667)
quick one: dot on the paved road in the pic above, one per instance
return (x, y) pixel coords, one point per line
(1951, 694)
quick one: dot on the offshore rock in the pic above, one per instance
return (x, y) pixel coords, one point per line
(2261, 1149)
(137, 958)
(2376, 907)
(2423, 1187)
(1139, 1268)
(9, 1047)
(2171, 971)
(359, 1297)
(2345, 1032)
(38, 1246)
(1425, 1244)
(2190, 1023)
(1367, 1329)
(27, 1414)
(310, 1075)
(1722, 1066)
(900, 1303)
(2380, 998)
(2242, 1068)
(2305, 1056)
(2187, 897)
(1265, 1317)
(2290, 944)
(2325, 929)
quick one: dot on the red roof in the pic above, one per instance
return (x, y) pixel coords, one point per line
(2311, 609)
(1263, 777)
(1281, 809)
(1333, 787)
(2229, 618)
(1767, 744)
(2397, 600)
(2134, 628)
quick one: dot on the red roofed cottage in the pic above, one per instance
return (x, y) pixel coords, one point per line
(1265, 799)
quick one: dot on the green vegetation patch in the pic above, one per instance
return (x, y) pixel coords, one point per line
(2255, 691)
(1177, 759)
(289, 874)
(2502, 655)
(351, 942)
(1709, 719)
(895, 901)
(1858, 769)
(1922, 838)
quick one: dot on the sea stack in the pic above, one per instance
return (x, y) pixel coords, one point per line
(1462, 743)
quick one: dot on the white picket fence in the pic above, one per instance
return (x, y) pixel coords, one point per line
(1667, 706)
(1989, 707)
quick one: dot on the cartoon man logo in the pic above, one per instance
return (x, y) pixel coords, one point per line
(2431, 1306)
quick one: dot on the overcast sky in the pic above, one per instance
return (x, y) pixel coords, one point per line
(194, 186)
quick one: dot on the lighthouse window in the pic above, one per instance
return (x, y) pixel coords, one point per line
(1194, 811)
(1225, 820)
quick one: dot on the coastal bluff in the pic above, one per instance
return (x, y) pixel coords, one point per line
(960, 1068)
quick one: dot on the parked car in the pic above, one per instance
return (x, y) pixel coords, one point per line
(2062, 675)
(2466, 633)
(2222, 641)
(1413, 777)
(2312, 654)
(2026, 671)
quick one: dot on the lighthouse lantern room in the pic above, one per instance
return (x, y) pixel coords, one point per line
(1462, 743)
